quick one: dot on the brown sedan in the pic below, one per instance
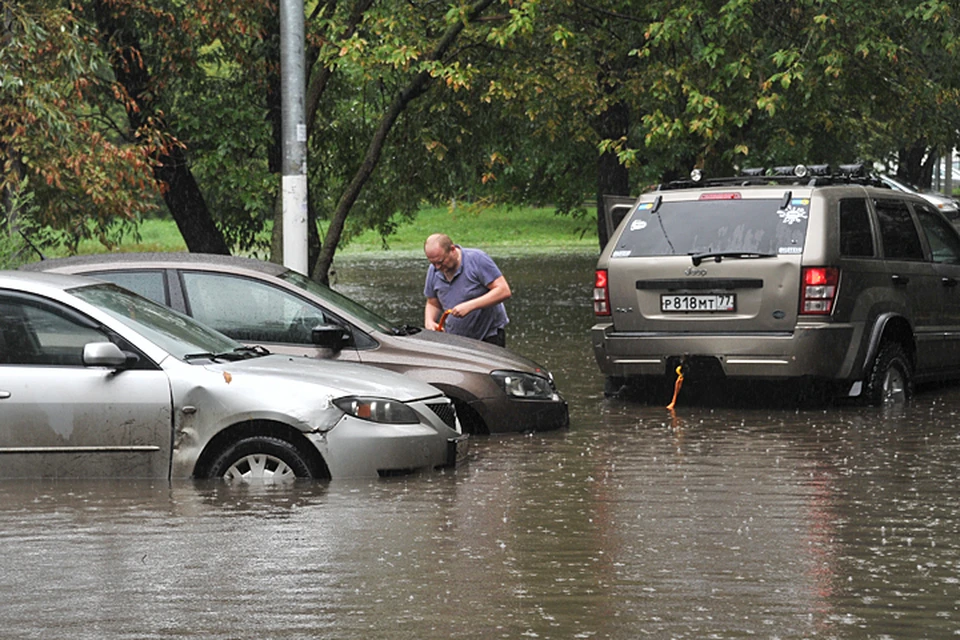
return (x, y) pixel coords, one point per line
(262, 303)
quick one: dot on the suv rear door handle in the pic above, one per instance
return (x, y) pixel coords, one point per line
(948, 282)
(900, 280)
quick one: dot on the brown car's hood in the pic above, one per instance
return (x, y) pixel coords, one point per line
(468, 353)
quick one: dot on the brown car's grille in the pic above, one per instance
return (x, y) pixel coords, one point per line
(446, 412)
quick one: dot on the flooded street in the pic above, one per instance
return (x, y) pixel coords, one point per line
(732, 521)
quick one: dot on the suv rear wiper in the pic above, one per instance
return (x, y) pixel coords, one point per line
(717, 256)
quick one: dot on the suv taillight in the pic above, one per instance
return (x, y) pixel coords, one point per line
(601, 294)
(819, 290)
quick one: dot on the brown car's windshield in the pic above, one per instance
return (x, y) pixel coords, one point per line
(717, 227)
(338, 301)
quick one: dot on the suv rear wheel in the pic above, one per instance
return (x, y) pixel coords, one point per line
(890, 380)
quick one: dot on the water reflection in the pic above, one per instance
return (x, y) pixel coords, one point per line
(730, 521)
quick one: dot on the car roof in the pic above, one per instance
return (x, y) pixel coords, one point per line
(42, 282)
(687, 192)
(158, 260)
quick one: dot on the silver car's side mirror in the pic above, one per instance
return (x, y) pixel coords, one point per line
(103, 354)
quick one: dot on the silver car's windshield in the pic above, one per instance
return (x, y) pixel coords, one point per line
(338, 301)
(175, 333)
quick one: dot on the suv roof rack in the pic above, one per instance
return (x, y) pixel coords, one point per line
(816, 175)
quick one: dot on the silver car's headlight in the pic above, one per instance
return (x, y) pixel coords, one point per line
(383, 410)
(524, 385)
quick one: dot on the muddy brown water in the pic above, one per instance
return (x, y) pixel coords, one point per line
(736, 521)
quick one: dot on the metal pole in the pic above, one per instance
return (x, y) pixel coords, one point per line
(294, 129)
(948, 173)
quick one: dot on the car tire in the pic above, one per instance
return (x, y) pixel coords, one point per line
(891, 377)
(471, 422)
(260, 459)
(613, 386)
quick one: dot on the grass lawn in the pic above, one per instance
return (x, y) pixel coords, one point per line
(505, 230)
(518, 229)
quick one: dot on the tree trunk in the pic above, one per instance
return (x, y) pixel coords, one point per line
(613, 178)
(186, 204)
(915, 164)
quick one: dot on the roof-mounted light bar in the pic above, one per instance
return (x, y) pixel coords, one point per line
(811, 175)
(852, 170)
(785, 170)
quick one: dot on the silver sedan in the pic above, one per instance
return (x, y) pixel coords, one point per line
(97, 381)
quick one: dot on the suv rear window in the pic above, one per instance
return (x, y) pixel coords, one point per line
(709, 226)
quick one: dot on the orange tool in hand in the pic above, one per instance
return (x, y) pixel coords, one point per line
(443, 319)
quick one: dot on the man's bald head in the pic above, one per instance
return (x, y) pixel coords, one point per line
(437, 241)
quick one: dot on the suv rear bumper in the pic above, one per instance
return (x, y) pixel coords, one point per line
(821, 350)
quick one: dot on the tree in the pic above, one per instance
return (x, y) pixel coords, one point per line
(140, 80)
(521, 101)
(63, 165)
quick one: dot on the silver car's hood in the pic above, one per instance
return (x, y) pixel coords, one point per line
(337, 378)
(467, 353)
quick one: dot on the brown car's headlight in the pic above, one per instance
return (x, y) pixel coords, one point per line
(517, 384)
(383, 410)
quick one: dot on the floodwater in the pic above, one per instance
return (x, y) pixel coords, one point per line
(737, 521)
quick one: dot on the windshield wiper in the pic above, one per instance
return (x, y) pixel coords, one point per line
(405, 330)
(202, 355)
(251, 352)
(717, 256)
(240, 353)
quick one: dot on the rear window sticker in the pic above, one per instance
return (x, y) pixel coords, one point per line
(790, 250)
(621, 253)
(795, 212)
(637, 225)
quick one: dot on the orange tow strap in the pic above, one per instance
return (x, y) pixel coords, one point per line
(443, 319)
(676, 387)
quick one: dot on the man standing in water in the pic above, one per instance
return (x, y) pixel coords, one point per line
(468, 284)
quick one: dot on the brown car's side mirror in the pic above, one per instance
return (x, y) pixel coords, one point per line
(330, 336)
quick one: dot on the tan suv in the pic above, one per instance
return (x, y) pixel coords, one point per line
(798, 273)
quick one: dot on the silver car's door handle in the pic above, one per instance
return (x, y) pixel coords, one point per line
(898, 279)
(948, 282)
(4, 395)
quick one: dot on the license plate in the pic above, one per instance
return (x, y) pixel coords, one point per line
(698, 302)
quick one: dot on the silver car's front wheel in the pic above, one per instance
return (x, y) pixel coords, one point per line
(259, 466)
(261, 459)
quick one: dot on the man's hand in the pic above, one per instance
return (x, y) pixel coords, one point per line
(463, 308)
(431, 314)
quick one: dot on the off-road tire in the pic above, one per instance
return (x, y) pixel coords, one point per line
(891, 376)
(613, 386)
